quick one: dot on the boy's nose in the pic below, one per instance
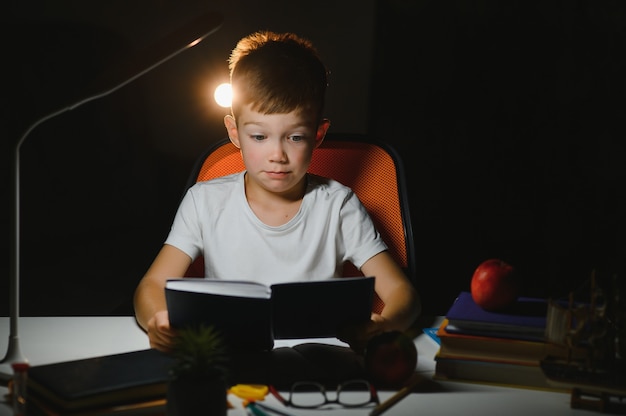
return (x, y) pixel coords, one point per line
(277, 152)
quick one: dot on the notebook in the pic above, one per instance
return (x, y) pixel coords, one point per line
(252, 315)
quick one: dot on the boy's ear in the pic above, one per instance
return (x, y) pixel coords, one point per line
(231, 129)
(321, 131)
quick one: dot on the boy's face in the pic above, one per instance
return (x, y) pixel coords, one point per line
(276, 148)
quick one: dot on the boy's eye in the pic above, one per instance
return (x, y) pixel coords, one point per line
(296, 138)
(257, 137)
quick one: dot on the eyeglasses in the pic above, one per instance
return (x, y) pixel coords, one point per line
(311, 395)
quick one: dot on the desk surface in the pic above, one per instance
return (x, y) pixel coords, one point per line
(52, 339)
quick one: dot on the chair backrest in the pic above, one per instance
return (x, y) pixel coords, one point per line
(373, 169)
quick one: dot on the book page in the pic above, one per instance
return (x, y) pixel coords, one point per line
(220, 287)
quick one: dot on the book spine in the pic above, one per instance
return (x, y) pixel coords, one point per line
(501, 374)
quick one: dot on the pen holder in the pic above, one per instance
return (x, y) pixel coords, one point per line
(189, 397)
(18, 388)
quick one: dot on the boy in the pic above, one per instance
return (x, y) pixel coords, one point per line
(275, 222)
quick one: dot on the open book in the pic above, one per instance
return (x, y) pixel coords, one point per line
(252, 315)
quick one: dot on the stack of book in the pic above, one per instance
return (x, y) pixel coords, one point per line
(497, 347)
(126, 383)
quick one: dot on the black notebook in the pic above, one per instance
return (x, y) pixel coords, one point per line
(87, 385)
(252, 315)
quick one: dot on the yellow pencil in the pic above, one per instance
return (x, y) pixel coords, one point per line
(401, 394)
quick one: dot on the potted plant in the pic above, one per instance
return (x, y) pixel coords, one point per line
(198, 377)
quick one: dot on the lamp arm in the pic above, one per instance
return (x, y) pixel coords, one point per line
(14, 353)
(208, 23)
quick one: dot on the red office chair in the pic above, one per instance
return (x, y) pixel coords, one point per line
(374, 171)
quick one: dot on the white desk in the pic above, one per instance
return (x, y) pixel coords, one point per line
(51, 339)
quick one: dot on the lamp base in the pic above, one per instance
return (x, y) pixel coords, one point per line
(13, 355)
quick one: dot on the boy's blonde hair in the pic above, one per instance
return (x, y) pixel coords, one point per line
(277, 73)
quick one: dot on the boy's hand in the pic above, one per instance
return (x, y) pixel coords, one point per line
(160, 334)
(357, 336)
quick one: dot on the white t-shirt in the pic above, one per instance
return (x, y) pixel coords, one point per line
(332, 226)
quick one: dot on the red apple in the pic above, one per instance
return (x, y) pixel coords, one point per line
(390, 359)
(495, 285)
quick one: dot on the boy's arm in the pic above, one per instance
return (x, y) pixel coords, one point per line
(402, 302)
(149, 298)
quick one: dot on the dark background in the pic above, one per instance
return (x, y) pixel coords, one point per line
(510, 117)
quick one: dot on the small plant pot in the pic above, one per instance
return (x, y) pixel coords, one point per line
(191, 396)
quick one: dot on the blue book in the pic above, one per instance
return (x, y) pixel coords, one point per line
(432, 333)
(526, 319)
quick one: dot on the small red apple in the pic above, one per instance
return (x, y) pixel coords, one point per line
(390, 359)
(495, 285)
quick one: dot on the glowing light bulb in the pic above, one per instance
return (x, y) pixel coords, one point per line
(223, 95)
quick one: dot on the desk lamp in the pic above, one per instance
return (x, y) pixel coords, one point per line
(196, 30)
